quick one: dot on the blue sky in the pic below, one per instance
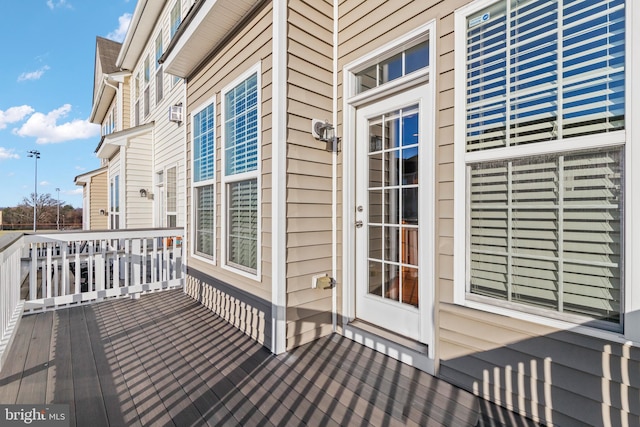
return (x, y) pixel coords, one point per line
(46, 91)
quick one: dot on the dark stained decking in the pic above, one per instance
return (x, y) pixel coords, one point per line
(166, 360)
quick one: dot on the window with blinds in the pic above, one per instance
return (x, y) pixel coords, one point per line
(203, 131)
(241, 127)
(241, 173)
(243, 224)
(545, 229)
(540, 70)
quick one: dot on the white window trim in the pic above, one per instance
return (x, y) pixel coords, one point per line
(257, 174)
(194, 186)
(350, 104)
(631, 313)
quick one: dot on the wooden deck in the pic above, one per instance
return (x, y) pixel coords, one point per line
(165, 360)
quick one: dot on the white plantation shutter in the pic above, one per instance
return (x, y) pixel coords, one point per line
(243, 224)
(593, 66)
(205, 220)
(545, 70)
(487, 78)
(545, 231)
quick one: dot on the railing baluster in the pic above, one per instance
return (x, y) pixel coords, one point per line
(78, 269)
(90, 261)
(33, 275)
(143, 260)
(99, 266)
(154, 261)
(65, 268)
(116, 264)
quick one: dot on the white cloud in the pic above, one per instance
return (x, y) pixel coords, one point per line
(76, 192)
(33, 75)
(7, 154)
(46, 130)
(45, 183)
(14, 114)
(60, 3)
(123, 25)
(80, 168)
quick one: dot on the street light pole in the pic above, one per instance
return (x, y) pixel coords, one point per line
(58, 216)
(36, 155)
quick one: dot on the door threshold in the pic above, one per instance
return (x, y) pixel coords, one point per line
(398, 347)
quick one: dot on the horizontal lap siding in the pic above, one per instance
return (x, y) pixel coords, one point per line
(98, 201)
(126, 100)
(246, 308)
(309, 182)
(139, 210)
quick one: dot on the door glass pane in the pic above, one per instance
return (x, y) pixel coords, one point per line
(392, 282)
(375, 242)
(392, 168)
(410, 205)
(410, 166)
(375, 170)
(391, 206)
(410, 286)
(375, 278)
(391, 243)
(375, 206)
(410, 127)
(392, 130)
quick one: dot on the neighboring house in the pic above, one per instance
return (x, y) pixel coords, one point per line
(142, 143)
(94, 199)
(473, 216)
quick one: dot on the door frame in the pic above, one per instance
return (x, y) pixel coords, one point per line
(426, 80)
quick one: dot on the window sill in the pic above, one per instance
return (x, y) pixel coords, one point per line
(476, 303)
(237, 270)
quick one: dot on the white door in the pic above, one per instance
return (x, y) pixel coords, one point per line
(393, 199)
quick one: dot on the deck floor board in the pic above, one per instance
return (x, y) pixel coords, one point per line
(166, 360)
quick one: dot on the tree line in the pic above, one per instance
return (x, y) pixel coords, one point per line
(21, 217)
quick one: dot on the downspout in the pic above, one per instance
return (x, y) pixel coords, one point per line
(185, 217)
(334, 176)
(278, 179)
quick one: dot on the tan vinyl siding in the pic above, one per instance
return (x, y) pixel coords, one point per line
(138, 176)
(126, 101)
(309, 182)
(250, 46)
(98, 201)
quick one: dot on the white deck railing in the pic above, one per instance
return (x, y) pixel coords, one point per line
(78, 267)
(10, 303)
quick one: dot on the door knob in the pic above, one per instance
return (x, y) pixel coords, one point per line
(358, 224)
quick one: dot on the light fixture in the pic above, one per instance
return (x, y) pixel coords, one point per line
(322, 130)
(103, 212)
(143, 192)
